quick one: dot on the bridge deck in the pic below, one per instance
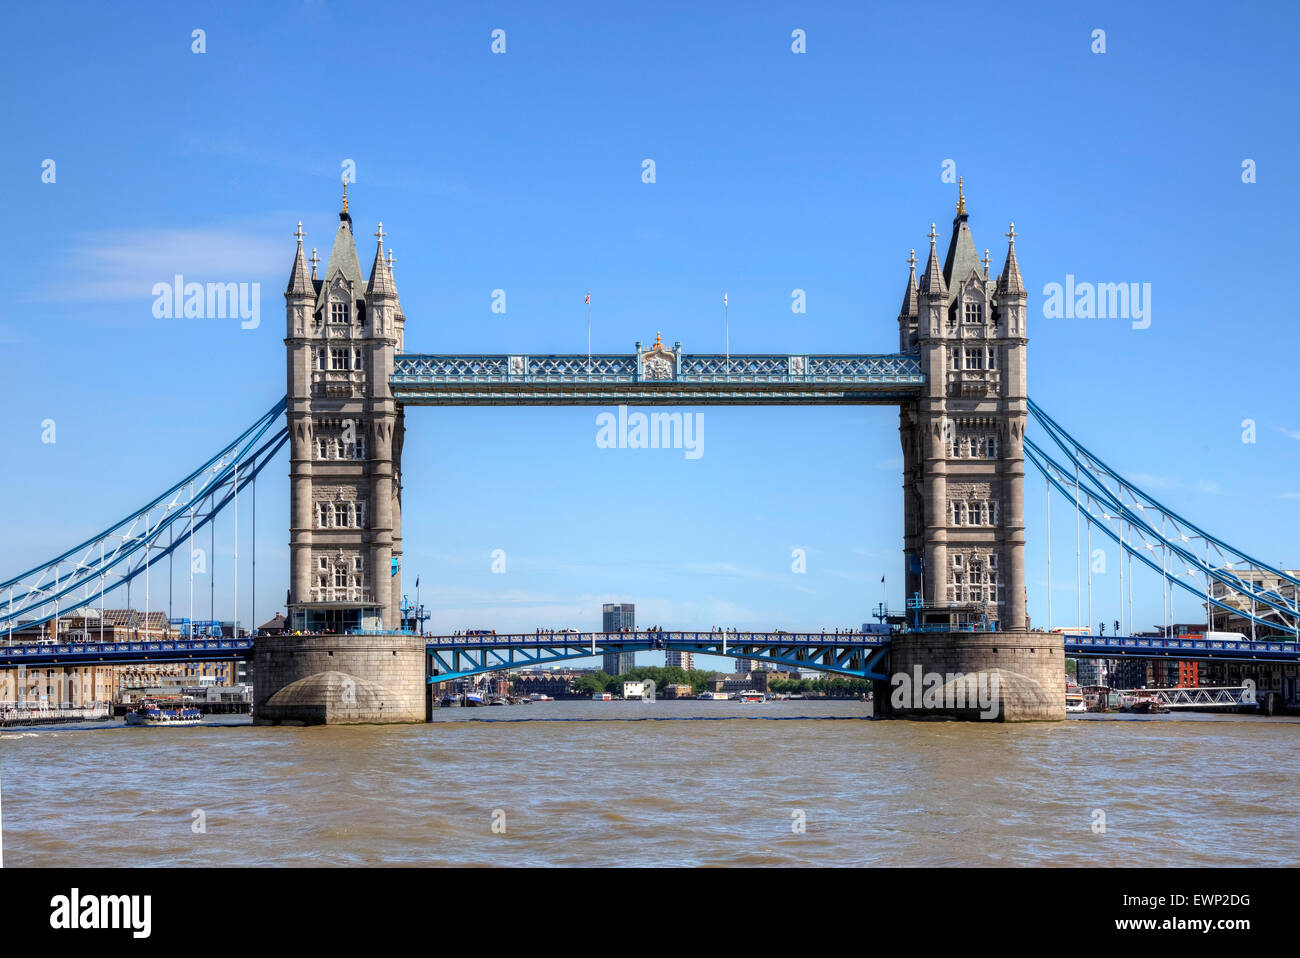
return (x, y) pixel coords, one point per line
(814, 649)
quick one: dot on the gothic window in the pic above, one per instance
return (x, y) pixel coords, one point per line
(340, 577)
(338, 312)
(961, 513)
(974, 312)
(356, 358)
(340, 516)
(322, 444)
(956, 358)
(320, 358)
(993, 520)
(359, 448)
(339, 358)
(975, 358)
(993, 358)
(993, 447)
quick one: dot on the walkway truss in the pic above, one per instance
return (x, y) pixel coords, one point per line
(127, 549)
(1180, 552)
(854, 654)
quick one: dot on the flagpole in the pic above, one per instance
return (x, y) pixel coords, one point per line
(726, 321)
(589, 332)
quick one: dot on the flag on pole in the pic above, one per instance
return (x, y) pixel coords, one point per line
(588, 299)
(724, 299)
(417, 581)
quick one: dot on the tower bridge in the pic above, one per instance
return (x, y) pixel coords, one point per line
(957, 374)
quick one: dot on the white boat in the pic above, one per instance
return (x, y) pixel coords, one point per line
(750, 695)
(150, 713)
(713, 696)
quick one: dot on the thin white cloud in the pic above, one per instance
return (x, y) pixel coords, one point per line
(125, 265)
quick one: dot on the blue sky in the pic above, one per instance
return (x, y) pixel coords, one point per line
(522, 172)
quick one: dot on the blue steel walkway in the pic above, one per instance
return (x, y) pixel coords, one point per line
(854, 654)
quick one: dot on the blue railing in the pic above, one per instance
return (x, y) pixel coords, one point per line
(1101, 646)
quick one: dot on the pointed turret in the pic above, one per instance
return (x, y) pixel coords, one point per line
(343, 256)
(381, 279)
(1010, 283)
(933, 283)
(300, 283)
(910, 308)
(962, 256)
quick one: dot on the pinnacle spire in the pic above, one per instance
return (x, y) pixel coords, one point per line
(342, 258)
(962, 256)
(1010, 282)
(910, 308)
(299, 281)
(381, 276)
(933, 282)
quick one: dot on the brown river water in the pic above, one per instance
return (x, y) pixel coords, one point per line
(667, 783)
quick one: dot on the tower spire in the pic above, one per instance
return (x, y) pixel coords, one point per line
(381, 274)
(961, 199)
(933, 282)
(1010, 282)
(299, 283)
(910, 308)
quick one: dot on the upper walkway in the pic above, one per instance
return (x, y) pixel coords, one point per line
(666, 379)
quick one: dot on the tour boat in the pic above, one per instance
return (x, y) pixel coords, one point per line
(151, 713)
(750, 696)
(601, 697)
(1074, 700)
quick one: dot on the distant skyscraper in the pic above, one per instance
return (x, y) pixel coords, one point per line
(618, 617)
(678, 659)
(744, 666)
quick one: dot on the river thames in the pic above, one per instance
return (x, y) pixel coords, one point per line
(667, 783)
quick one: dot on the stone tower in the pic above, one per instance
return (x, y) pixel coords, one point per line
(963, 458)
(345, 428)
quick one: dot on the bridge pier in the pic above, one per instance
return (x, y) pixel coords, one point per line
(997, 676)
(338, 679)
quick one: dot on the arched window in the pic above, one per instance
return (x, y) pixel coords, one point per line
(338, 312)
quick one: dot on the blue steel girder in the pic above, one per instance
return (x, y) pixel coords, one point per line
(853, 654)
(685, 380)
(1184, 649)
(125, 653)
